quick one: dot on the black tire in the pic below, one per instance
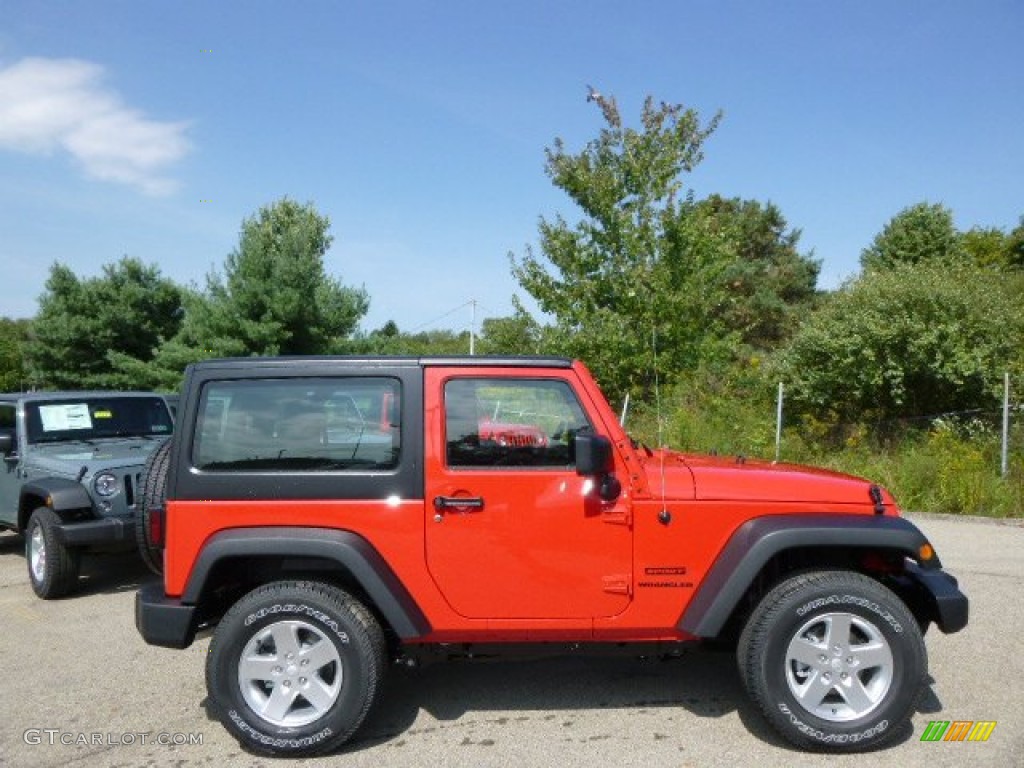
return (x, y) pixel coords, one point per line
(52, 567)
(319, 623)
(154, 496)
(835, 661)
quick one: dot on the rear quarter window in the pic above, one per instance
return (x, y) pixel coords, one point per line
(299, 425)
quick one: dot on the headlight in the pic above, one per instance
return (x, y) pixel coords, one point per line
(107, 485)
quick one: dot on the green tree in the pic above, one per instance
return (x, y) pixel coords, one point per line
(986, 246)
(388, 340)
(768, 282)
(920, 233)
(909, 341)
(85, 326)
(1015, 246)
(13, 335)
(606, 289)
(994, 247)
(163, 372)
(389, 329)
(648, 274)
(517, 334)
(274, 297)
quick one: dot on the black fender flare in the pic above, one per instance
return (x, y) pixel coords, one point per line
(57, 493)
(759, 540)
(350, 551)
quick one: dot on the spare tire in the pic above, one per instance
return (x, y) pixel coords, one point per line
(154, 493)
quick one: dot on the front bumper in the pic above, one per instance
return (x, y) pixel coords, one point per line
(939, 594)
(163, 620)
(107, 530)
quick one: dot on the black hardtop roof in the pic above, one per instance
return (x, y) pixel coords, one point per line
(386, 361)
(73, 395)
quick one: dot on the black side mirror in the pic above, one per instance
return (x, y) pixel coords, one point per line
(594, 459)
(593, 454)
(6, 442)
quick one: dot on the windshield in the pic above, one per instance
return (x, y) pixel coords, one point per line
(92, 418)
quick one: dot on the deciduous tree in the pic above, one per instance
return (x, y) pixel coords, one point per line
(649, 278)
(909, 341)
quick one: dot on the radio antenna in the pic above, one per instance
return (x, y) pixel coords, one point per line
(657, 410)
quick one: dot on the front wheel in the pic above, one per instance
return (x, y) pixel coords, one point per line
(294, 667)
(52, 567)
(834, 660)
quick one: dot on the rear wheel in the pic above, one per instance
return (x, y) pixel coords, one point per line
(294, 667)
(154, 495)
(52, 567)
(835, 661)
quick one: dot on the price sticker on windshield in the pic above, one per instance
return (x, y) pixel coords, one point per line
(58, 418)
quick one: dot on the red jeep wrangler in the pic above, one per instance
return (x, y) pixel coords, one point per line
(329, 514)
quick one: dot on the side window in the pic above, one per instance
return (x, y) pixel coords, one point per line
(316, 425)
(7, 423)
(511, 422)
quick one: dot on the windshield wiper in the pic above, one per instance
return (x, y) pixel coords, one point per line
(123, 434)
(50, 439)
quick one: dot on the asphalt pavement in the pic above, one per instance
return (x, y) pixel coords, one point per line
(80, 688)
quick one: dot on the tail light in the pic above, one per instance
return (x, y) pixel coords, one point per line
(156, 526)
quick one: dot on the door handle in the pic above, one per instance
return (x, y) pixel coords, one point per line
(441, 503)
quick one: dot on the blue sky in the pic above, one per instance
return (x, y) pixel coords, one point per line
(152, 128)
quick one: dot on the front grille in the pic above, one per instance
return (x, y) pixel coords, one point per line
(130, 484)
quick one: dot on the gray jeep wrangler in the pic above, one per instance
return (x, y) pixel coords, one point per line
(71, 475)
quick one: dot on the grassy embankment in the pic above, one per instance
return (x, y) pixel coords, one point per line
(939, 465)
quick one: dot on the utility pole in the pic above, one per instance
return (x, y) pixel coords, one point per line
(472, 328)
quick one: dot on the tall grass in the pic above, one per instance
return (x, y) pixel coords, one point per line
(945, 466)
(939, 470)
